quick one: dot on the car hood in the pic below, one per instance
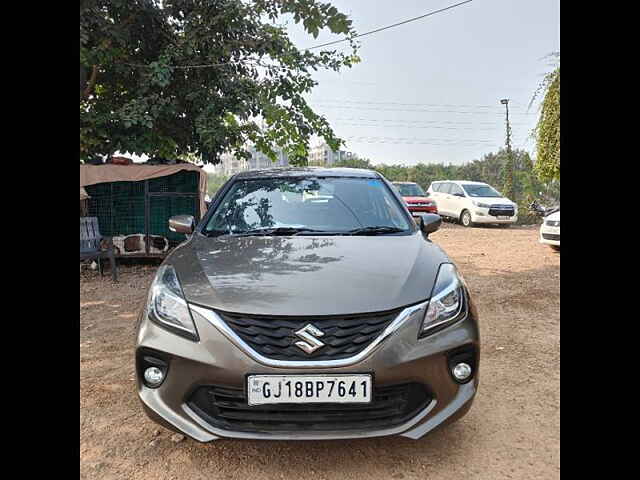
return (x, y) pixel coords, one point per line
(555, 216)
(302, 275)
(494, 200)
(417, 199)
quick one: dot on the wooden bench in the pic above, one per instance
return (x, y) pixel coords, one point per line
(90, 245)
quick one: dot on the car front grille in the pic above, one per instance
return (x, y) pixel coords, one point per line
(226, 408)
(551, 236)
(343, 336)
(502, 211)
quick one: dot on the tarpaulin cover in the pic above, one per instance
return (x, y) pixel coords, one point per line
(93, 174)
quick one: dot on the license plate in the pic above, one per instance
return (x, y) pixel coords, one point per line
(502, 217)
(270, 389)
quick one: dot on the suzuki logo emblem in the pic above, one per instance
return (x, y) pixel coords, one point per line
(310, 342)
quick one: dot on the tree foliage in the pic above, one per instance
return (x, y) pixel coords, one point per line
(547, 130)
(202, 77)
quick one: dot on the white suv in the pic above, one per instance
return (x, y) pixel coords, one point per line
(472, 202)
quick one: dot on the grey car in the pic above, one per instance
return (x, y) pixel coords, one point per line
(307, 304)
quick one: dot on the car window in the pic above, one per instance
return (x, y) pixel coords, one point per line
(325, 204)
(455, 189)
(444, 187)
(410, 189)
(435, 187)
(481, 190)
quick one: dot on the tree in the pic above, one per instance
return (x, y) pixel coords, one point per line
(355, 162)
(202, 77)
(547, 130)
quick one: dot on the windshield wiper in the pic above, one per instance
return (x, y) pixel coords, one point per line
(379, 230)
(214, 233)
(276, 231)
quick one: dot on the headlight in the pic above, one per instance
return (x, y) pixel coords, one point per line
(447, 303)
(167, 306)
(481, 205)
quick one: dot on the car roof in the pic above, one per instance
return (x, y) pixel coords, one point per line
(308, 172)
(464, 182)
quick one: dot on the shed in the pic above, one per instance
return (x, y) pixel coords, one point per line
(133, 203)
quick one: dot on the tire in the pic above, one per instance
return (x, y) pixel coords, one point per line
(465, 219)
(555, 248)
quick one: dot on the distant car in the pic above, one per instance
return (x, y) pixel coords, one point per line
(550, 230)
(472, 203)
(417, 201)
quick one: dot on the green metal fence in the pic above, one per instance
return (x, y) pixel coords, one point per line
(144, 207)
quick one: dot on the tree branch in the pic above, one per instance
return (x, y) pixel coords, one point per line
(92, 82)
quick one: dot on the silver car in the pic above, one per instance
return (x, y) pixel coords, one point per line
(307, 304)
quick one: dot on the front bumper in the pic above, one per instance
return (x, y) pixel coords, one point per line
(550, 235)
(481, 216)
(415, 211)
(400, 358)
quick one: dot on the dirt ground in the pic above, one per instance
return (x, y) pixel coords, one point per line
(512, 431)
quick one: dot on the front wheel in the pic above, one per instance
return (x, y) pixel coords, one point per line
(555, 248)
(465, 219)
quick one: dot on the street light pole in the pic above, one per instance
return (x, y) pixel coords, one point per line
(508, 169)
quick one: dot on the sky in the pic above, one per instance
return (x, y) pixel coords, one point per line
(429, 91)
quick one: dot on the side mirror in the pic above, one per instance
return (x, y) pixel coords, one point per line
(182, 224)
(459, 194)
(429, 223)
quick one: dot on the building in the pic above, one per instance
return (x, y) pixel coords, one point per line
(322, 155)
(230, 165)
(259, 160)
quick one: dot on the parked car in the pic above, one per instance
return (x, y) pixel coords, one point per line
(550, 228)
(287, 317)
(416, 199)
(473, 203)
(550, 231)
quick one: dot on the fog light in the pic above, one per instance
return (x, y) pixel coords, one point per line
(461, 372)
(154, 376)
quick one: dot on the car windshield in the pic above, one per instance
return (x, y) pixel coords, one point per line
(480, 191)
(410, 190)
(308, 205)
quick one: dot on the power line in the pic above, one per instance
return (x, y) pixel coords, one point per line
(355, 107)
(439, 122)
(390, 26)
(447, 145)
(447, 105)
(441, 141)
(413, 126)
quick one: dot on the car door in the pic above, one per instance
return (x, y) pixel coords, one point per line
(457, 200)
(443, 199)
